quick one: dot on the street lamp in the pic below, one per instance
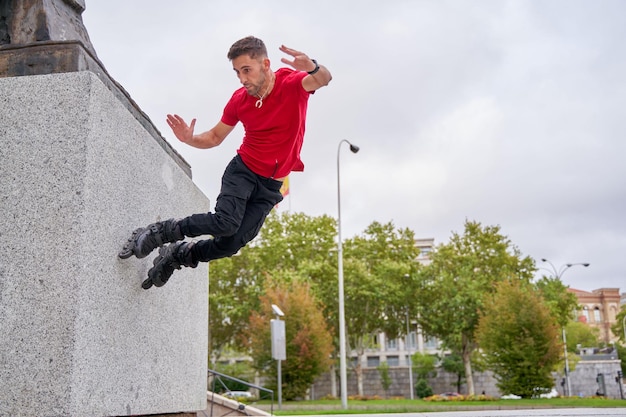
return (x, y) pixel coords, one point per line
(408, 356)
(408, 350)
(342, 318)
(558, 273)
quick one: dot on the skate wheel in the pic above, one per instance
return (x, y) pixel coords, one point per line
(147, 284)
(128, 249)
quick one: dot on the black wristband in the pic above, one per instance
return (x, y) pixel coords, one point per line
(317, 68)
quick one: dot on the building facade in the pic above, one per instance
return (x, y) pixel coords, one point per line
(599, 309)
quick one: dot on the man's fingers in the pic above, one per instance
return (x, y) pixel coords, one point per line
(175, 121)
(289, 51)
(183, 132)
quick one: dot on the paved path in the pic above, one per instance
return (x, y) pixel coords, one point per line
(553, 412)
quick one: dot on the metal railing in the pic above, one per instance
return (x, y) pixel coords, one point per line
(219, 377)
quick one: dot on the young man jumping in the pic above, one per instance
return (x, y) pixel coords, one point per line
(272, 108)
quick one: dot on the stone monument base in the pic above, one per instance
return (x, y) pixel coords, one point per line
(80, 337)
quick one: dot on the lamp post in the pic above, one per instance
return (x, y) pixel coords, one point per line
(343, 375)
(558, 273)
(408, 350)
(408, 356)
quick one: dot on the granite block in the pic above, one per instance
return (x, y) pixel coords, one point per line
(80, 337)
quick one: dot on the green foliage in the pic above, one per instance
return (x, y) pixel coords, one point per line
(519, 337)
(379, 271)
(453, 363)
(618, 330)
(461, 276)
(385, 379)
(618, 327)
(561, 302)
(422, 389)
(308, 341)
(578, 333)
(240, 370)
(379, 276)
(378, 266)
(233, 292)
(424, 366)
(291, 242)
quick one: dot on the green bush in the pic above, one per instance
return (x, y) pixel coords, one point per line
(422, 389)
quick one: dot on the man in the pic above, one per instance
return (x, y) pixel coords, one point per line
(272, 108)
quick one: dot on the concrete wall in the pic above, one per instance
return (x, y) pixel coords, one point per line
(400, 384)
(582, 380)
(79, 336)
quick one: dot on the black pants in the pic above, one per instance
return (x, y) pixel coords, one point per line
(244, 202)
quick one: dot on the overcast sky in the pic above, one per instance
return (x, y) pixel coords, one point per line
(509, 113)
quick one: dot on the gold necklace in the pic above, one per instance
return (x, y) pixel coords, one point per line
(259, 102)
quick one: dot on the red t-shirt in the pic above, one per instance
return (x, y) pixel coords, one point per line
(273, 133)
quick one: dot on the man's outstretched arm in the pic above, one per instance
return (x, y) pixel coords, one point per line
(318, 77)
(208, 139)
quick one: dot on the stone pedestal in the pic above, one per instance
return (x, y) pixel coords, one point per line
(78, 172)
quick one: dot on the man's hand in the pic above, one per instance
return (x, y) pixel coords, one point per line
(300, 62)
(183, 132)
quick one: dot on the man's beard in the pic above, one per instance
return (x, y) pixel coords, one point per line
(257, 91)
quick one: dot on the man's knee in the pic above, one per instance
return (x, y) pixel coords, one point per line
(229, 248)
(219, 248)
(225, 226)
(209, 224)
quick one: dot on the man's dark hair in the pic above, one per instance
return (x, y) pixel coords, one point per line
(251, 46)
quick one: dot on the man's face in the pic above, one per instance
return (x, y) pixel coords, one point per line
(251, 73)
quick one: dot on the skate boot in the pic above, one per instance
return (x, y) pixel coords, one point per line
(146, 239)
(170, 257)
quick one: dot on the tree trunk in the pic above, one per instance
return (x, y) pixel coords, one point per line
(358, 369)
(333, 381)
(467, 363)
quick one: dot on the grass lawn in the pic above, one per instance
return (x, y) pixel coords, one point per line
(416, 406)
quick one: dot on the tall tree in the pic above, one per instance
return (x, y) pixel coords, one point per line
(235, 285)
(287, 242)
(379, 271)
(308, 341)
(563, 306)
(520, 339)
(378, 267)
(458, 280)
(561, 302)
